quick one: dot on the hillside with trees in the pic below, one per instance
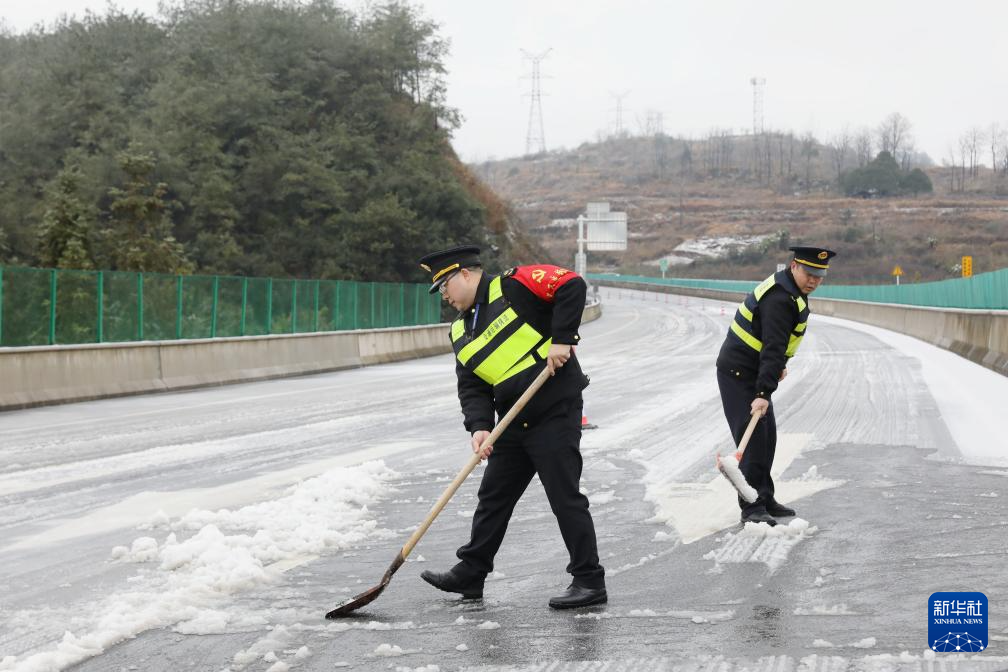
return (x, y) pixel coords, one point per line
(254, 138)
(729, 205)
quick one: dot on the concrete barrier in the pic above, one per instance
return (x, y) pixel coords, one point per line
(978, 335)
(35, 376)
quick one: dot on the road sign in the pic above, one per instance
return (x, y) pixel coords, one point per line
(967, 266)
(663, 265)
(897, 271)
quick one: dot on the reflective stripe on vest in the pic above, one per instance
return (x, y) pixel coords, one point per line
(742, 325)
(504, 348)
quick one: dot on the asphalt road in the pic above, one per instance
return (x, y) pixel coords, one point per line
(889, 512)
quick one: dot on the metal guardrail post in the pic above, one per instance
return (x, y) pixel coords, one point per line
(140, 315)
(100, 330)
(178, 307)
(213, 308)
(315, 325)
(244, 303)
(269, 305)
(1, 305)
(52, 307)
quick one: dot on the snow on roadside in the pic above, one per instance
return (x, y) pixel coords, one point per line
(970, 397)
(189, 586)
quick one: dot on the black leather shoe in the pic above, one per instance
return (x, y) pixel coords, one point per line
(775, 508)
(579, 596)
(758, 516)
(450, 582)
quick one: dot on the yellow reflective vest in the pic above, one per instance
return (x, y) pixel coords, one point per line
(507, 346)
(742, 325)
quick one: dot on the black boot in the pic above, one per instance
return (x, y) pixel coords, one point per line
(470, 588)
(775, 508)
(579, 596)
(757, 514)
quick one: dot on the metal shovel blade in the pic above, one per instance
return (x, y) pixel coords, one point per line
(369, 595)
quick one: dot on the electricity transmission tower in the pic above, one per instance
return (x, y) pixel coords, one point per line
(535, 138)
(619, 110)
(758, 85)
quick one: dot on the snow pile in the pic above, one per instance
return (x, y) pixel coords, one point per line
(195, 576)
(822, 610)
(758, 542)
(717, 247)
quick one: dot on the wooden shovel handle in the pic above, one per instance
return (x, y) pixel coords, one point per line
(748, 434)
(475, 460)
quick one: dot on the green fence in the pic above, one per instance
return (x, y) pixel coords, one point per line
(46, 306)
(987, 291)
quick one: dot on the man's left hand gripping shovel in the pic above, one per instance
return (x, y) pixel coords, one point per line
(728, 465)
(369, 595)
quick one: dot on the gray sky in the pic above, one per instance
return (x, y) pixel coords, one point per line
(826, 65)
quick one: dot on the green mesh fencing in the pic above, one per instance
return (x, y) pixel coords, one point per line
(47, 306)
(986, 291)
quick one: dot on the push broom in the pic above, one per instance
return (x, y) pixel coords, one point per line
(729, 464)
(369, 595)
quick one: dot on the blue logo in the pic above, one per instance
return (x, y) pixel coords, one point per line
(957, 622)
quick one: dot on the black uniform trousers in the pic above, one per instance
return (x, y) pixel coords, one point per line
(737, 394)
(550, 448)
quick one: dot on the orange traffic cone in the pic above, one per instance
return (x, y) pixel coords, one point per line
(585, 424)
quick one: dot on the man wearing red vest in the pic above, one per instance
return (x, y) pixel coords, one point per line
(509, 328)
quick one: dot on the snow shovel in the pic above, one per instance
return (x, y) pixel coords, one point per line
(371, 594)
(728, 465)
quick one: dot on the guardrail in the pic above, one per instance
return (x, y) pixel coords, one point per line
(978, 335)
(40, 375)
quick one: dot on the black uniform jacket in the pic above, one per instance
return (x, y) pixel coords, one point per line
(773, 322)
(560, 319)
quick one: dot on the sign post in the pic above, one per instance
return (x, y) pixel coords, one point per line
(897, 272)
(663, 265)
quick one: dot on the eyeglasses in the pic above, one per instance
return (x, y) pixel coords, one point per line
(444, 285)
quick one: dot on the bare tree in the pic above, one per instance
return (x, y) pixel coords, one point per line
(893, 133)
(809, 149)
(840, 144)
(964, 153)
(952, 163)
(996, 139)
(863, 147)
(974, 138)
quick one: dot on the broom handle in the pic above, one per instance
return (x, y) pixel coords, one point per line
(475, 460)
(748, 433)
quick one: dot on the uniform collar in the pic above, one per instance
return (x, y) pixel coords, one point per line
(787, 281)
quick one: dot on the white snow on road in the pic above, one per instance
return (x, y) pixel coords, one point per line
(187, 584)
(970, 397)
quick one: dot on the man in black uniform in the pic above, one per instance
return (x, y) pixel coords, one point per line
(508, 329)
(767, 329)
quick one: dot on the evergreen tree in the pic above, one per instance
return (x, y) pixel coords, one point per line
(65, 234)
(139, 236)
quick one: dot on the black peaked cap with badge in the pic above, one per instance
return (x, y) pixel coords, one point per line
(814, 259)
(442, 264)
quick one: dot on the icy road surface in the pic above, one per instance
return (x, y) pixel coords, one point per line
(211, 530)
